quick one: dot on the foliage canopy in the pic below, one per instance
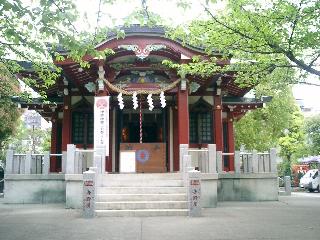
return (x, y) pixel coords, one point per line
(9, 114)
(266, 38)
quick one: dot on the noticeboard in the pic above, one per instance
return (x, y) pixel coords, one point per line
(127, 161)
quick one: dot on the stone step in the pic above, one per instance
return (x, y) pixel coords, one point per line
(142, 213)
(141, 176)
(142, 183)
(140, 190)
(141, 205)
(140, 197)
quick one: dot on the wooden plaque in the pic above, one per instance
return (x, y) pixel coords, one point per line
(150, 157)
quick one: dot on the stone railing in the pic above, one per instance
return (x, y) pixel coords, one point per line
(79, 160)
(254, 177)
(204, 159)
(29, 163)
(254, 162)
(199, 177)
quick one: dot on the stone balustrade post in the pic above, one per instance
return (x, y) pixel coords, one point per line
(273, 160)
(212, 158)
(250, 156)
(287, 185)
(237, 161)
(245, 160)
(70, 164)
(27, 163)
(255, 163)
(186, 168)
(98, 163)
(63, 161)
(46, 163)
(9, 161)
(89, 194)
(219, 161)
(95, 169)
(183, 150)
(194, 193)
(79, 162)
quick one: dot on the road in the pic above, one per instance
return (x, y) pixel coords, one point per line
(292, 217)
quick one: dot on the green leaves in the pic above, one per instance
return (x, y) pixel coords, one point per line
(279, 124)
(312, 127)
(27, 27)
(9, 114)
(262, 37)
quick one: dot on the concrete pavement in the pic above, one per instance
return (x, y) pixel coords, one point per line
(292, 217)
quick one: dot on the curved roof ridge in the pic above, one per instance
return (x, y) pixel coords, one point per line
(157, 30)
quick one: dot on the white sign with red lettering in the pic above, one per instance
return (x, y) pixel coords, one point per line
(194, 193)
(101, 123)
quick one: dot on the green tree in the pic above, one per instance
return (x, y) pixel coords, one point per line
(266, 38)
(28, 26)
(260, 129)
(9, 114)
(29, 139)
(292, 142)
(279, 124)
(312, 127)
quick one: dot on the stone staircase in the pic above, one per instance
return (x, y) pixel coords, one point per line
(141, 195)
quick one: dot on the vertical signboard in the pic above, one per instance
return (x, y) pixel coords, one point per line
(101, 123)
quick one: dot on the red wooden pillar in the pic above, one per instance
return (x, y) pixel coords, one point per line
(230, 141)
(183, 118)
(53, 160)
(217, 118)
(175, 140)
(66, 122)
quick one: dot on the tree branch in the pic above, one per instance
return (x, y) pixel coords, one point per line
(312, 84)
(287, 66)
(145, 8)
(295, 22)
(61, 10)
(225, 25)
(315, 59)
(254, 52)
(98, 19)
(288, 53)
(11, 44)
(301, 64)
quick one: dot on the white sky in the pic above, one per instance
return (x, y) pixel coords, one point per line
(310, 95)
(167, 9)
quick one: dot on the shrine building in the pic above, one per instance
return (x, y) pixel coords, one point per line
(132, 137)
(151, 108)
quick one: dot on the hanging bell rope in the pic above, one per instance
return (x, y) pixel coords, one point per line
(140, 119)
(155, 92)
